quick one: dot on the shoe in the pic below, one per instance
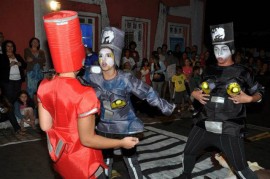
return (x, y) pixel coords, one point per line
(23, 129)
(20, 132)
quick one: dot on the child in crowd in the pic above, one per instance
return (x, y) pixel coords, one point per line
(24, 109)
(127, 68)
(180, 93)
(145, 72)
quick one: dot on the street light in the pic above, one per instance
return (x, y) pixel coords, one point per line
(55, 6)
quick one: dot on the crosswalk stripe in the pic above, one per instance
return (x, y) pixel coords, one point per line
(160, 156)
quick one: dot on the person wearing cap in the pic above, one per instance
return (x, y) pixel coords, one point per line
(114, 88)
(67, 109)
(225, 89)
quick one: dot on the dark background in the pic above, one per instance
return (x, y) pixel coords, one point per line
(251, 21)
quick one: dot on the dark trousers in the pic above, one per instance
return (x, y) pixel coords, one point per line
(130, 158)
(231, 146)
(11, 89)
(12, 119)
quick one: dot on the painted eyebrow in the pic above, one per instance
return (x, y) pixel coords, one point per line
(109, 53)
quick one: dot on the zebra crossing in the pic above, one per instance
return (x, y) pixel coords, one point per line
(160, 157)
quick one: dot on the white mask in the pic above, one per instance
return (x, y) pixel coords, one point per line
(222, 52)
(106, 58)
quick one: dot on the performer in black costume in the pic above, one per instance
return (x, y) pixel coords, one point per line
(224, 90)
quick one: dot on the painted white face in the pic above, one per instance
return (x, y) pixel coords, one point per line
(106, 59)
(222, 52)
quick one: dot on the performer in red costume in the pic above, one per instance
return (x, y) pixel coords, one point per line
(67, 109)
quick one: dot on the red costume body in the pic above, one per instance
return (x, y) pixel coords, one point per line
(67, 100)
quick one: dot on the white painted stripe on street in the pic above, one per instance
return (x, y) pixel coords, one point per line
(171, 151)
(160, 159)
(152, 139)
(184, 138)
(160, 144)
(162, 163)
(156, 160)
(251, 126)
(19, 142)
(148, 133)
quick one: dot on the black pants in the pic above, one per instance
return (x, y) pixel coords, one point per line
(11, 89)
(130, 158)
(231, 146)
(12, 119)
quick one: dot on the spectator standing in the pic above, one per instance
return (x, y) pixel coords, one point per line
(129, 59)
(180, 93)
(136, 56)
(177, 52)
(35, 59)
(171, 64)
(12, 67)
(158, 74)
(145, 72)
(133, 52)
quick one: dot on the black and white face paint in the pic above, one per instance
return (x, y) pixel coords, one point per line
(222, 52)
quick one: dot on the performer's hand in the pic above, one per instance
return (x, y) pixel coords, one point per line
(242, 97)
(200, 96)
(129, 142)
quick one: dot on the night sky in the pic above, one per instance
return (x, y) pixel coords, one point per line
(251, 21)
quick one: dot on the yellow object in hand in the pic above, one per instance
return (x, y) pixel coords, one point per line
(233, 89)
(205, 87)
(118, 104)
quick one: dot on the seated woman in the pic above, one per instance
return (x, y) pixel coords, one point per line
(24, 109)
(6, 113)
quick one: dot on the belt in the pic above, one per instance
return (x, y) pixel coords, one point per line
(221, 127)
(211, 126)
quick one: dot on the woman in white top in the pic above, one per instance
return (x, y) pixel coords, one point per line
(12, 68)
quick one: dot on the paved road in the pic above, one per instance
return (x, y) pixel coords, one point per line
(160, 152)
(257, 150)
